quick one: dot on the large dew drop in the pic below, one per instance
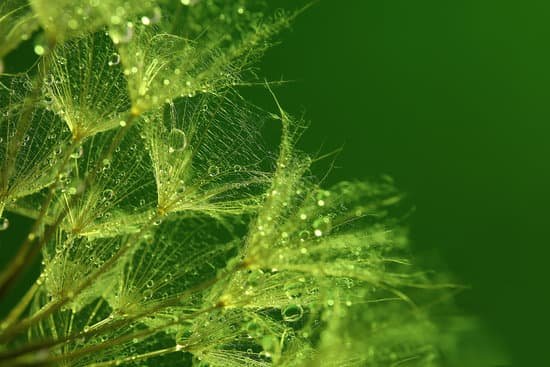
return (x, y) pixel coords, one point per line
(177, 140)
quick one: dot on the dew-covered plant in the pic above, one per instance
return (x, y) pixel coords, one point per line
(169, 234)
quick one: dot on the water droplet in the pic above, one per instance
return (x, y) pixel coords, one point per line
(4, 223)
(177, 140)
(147, 294)
(39, 50)
(108, 194)
(213, 170)
(304, 235)
(292, 313)
(79, 152)
(114, 59)
(145, 20)
(322, 226)
(149, 283)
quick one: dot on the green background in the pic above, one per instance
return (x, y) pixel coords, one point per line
(451, 98)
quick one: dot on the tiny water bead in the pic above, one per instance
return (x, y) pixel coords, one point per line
(304, 235)
(292, 313)
(213, 170)
(4, 223)
(189, 2)
(145, 20)
(177, 140)
(322, 226)
(108, 194)
(39, 50)
(114, 59)
(78, 152)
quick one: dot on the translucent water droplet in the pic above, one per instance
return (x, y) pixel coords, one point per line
(79, 152)
(39, 49)
(213, 170)
(145, 20)
(292, 313)
(177, 140)
(322, 226)
(304, 235)
(4, 223)
(149, 283)
(147, 294)
(106, 163)
(114, 59)
(108, 194)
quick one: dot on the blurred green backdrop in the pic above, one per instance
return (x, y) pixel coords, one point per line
(451, 98)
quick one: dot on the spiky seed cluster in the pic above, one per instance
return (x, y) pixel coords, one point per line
(168, 235)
